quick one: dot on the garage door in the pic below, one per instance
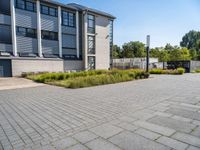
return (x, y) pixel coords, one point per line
(5, 68)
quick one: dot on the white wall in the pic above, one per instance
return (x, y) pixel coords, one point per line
(19, 66)
(102, 43)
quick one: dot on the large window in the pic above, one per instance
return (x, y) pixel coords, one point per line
(5, 34)
(91, 44)
(91, 24)
(46, 10)
(26, 5)
(91, 62)
(5, 7)
(48, 35)
(68, 19)
(111, 34)
(26, 32)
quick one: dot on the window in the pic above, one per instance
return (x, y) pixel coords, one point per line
(26, 5)
(91, 44)
(46, 10)
(91, 62)
(5, 34)
(26, 32)
(68, 19)
(91, 24)
(5, 7)
(48, 35)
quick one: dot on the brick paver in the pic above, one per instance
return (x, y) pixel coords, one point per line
(162, 112)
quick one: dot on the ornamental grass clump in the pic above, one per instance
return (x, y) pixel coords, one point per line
(88, 78)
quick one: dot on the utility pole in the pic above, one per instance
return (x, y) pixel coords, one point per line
(147, 49)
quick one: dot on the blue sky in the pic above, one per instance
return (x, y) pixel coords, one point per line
(165, 20)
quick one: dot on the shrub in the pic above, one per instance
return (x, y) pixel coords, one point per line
(181, 70)
(197, 71)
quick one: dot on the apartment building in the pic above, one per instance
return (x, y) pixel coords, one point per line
(44, 35)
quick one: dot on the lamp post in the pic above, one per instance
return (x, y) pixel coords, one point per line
(147, 50)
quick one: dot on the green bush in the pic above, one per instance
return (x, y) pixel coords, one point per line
(178, 71)
(181, 70)
(197, 71)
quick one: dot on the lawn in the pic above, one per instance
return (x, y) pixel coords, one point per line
(87, 78)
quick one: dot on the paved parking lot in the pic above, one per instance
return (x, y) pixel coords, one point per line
(159, 113)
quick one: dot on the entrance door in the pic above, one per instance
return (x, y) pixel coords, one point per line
(5, 68)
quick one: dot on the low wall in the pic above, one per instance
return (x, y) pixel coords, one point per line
(37, 65)
(70, 65)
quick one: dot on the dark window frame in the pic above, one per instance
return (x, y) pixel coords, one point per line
(17, 5)
(91, 29)
(26, 32)
(91, 50)
(6, 42)
(69, 22)
(49, 35)
(49, 10)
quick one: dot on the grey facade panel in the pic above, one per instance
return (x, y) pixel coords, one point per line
(69, 51)
(68, 41)
(26, 19)
(73, 65)
(27, 45)
(68, 30)
(5, 47)
(5, 19)
(50, 47)
(49, 23)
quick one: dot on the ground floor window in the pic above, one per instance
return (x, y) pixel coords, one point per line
(91, 62)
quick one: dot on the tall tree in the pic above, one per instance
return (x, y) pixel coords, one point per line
(116, 51)
(191, 40)
(133, 49)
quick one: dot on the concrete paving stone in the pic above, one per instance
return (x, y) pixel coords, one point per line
(85, 136)
(181, 118)
(187, 138)
(155, 128)
(46, 147)
(131, 141)
(163, 114)
(147, 134)
(184, 113)
(78, 147)
(127, 126)
(196, 132)
(173, 124)
(142, 115)
(172, 143)
(190, 105)
(193, 148)
(106, 130)
(127, 119)
(196, 122)
(101, 144)
(64, 143)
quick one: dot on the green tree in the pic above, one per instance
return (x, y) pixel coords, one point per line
(133, 49)
(163, 56)
(179, 54)
(169, 47)
(191, 40)
(116, 51)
